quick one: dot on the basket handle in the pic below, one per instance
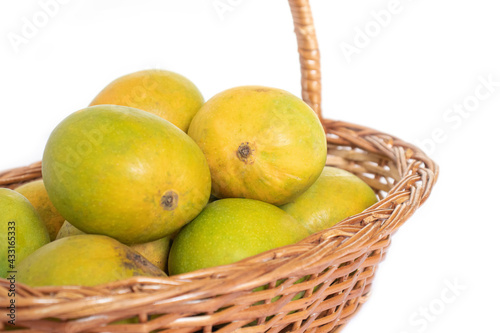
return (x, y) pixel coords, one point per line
(308, 53)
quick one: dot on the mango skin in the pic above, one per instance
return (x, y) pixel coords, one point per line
(261, 143)
(37, 195)
(84, 260)
(67, 229)
(229, 230)
(155, 251)
(26, 234)
(124, 173)
(336, 195)
(161, 92)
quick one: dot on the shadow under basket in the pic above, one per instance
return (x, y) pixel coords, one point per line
(316, 285)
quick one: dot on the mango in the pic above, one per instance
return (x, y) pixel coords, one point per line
(37, 195)
(229, 230)
(83, 260)
(161, 92)
(22, 230)
(336, 195)
(125, 173)
(155, 251)
(261, 143)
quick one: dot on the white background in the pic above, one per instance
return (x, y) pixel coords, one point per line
(427, 58)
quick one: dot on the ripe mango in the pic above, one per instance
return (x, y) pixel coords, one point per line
(261, 143)
(37, 195)
(229, 230)
(126, 173)
(155, 251)
(161, 92)
(84, 260)
(336, 195)
(22, 230)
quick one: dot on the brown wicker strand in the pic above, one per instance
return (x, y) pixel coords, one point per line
(308, 53)
(15, 177)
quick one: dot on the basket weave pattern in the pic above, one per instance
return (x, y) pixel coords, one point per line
(316, 285)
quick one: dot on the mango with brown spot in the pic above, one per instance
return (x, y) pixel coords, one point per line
(261, 143)
(83, 260)
(155, 251)
(125, 173)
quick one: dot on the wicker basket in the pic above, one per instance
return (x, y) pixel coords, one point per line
(316, 285)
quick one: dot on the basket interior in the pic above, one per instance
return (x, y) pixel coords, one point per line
(316, 285)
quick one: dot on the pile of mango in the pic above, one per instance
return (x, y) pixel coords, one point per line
(152, 180)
